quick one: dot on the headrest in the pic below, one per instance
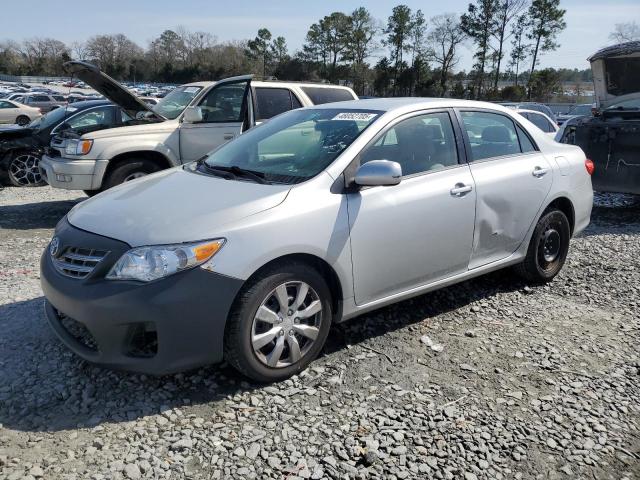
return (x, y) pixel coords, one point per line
(496, 133)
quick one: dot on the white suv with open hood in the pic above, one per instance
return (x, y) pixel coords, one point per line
(185, 125)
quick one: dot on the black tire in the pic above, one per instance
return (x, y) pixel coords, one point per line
(23, 170)
(238, 348)
(129, 169)
(23, 120)
(548, 248)
(91, 193)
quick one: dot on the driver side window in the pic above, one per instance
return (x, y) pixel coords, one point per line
(224, 104)
(419, 144)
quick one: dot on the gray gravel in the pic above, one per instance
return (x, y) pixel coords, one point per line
(524, 382)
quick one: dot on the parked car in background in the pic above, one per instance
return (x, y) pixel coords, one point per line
(45, 102)
(581, 110)
(538, 107)
(22, 148)
(540, 120)
(612, 137)
(321, 214)
(14, 112)
(185, 125)
(152, 101)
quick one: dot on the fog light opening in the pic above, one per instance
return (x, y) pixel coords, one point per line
(143, 340)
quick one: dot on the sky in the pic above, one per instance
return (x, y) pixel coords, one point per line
(589, 22)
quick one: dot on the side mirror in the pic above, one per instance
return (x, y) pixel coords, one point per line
(378, 172)
(192, 115)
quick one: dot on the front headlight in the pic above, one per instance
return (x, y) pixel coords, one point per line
(78, 147)
(151, 263)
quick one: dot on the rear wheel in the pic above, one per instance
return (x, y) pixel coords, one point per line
(279, 323)
(129, 170)
(23, 120)
(548, 248)
(23, 170)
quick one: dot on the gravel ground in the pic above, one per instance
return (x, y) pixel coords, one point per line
(490, 379)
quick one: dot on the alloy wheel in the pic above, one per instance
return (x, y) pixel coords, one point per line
(24, 170)
(286, 324)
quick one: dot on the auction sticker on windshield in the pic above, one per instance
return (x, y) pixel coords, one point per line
(355, 116)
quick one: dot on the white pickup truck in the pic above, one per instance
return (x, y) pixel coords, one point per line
(188, 123)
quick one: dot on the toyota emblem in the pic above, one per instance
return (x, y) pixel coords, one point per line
(54, 246)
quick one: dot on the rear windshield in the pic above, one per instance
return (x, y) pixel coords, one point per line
(320, 95)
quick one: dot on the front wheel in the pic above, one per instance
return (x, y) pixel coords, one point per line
(548, 248)
(24, 171)
(129, 170)
(279, 323)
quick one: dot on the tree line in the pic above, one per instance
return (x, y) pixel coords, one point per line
(406, 54)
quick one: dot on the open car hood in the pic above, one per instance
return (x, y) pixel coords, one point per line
(107, 86)
(616, 73)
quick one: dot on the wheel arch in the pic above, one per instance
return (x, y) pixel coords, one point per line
(315, 262)
(565, 205)
(158, 158)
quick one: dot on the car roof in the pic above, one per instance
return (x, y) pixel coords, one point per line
(88, 104)
(410, 104)
(281, 83)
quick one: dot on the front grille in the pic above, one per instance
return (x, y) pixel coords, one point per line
(78, 331)
(78, 262)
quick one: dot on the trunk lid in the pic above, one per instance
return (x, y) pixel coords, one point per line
(616, 73)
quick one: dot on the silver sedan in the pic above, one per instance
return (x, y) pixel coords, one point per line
(313, 218)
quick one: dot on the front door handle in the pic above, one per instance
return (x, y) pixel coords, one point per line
(228, 136)
(540, 172)
(460, 189)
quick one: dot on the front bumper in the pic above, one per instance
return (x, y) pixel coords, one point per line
(73, 174)
(161, 327)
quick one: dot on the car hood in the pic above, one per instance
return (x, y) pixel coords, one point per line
(142, 128)
(11, 132)
(109, 88)
(173, 206)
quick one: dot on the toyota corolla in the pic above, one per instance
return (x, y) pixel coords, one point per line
(321, 214)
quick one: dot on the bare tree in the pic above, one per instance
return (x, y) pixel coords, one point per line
(625, 32)
(79, 50)
(444, 38)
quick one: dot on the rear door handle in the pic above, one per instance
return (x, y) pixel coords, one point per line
(228, 136)
(540, 172)
(460, 189)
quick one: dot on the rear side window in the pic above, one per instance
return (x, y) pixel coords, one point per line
(320, 95)
(526, 145)
(490, 135)
(40, 98)
(58, 98)
(272, 101)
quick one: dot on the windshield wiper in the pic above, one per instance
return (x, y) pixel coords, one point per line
(257, 177)
(227, 175)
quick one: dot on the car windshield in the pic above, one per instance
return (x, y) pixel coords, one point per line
(294, 146)
(52, 118)
(175, 102)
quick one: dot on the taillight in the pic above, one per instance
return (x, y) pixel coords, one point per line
(589, 166)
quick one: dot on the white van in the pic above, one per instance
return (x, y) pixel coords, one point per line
(188, 123)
